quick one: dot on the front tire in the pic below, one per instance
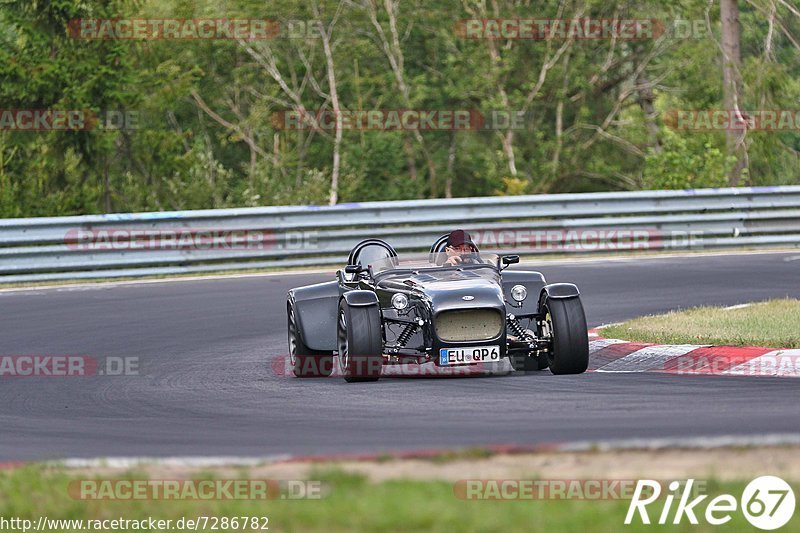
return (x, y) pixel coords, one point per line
(305, 362)
(566, 320)
(360, 342)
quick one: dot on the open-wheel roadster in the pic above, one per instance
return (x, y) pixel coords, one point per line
(382, 310)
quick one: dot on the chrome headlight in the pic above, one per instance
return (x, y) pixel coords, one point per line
(519, 292)
(399, 301)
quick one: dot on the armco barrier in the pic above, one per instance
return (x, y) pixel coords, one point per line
(137, 244)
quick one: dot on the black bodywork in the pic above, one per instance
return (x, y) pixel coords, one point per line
(412, 333)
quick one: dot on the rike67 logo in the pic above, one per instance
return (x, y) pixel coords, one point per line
(767, 502)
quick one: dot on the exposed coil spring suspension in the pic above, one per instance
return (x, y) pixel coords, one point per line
(516, 327)
(406, 334)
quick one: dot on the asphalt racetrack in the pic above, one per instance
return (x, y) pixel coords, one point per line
(206, 386)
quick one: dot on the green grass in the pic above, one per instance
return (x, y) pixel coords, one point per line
(772, 324)
(352, 504)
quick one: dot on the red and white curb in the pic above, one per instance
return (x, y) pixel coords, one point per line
(619, 356)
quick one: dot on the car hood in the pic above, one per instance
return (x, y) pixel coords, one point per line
(451, 288)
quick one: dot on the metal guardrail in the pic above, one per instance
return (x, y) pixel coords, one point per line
(164, 243)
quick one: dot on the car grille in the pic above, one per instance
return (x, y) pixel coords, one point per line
(469, 325)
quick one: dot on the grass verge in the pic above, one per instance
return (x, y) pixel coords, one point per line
(771, 324)
(352, 503)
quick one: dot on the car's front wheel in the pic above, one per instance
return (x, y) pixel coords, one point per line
(360, 342)
(305, 362)
(565, 323)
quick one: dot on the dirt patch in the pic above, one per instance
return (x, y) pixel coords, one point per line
(719, 463)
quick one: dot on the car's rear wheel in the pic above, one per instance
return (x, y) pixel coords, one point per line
(305, 362)
(566, 322)
(360, 342)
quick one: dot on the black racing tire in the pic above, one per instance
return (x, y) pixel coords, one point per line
(305, 362)
(569, 353)
(360, 342)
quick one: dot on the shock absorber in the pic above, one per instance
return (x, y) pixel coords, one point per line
(516, 327)
(406, 334)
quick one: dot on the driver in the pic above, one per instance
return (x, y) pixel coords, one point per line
(460, 249)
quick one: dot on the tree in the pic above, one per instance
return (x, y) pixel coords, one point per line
(732, 86)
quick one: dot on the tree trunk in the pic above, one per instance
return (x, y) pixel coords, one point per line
(732, 85)
(411, 162)
(647, 103)
(337, 111)
(106, 186)
(451, 165)
(507, 140)
(559, 139)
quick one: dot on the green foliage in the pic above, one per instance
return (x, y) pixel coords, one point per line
(207, 135)
(686, 163)
(349, 502)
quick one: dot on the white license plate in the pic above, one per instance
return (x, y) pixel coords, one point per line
(468, 356)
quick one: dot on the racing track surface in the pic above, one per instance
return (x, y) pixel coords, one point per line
(207, 388)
